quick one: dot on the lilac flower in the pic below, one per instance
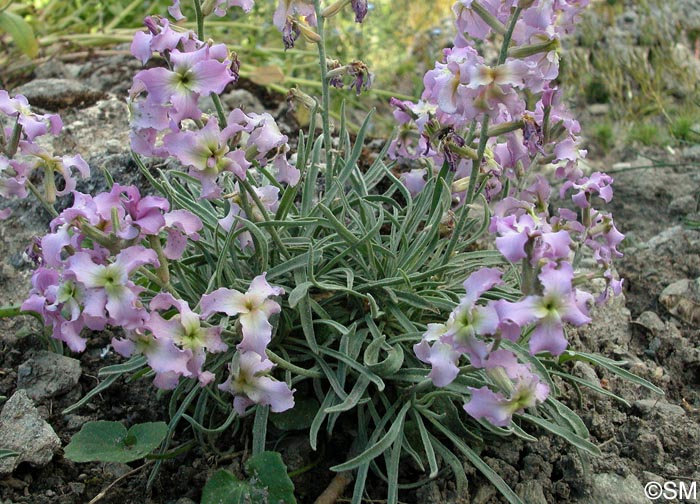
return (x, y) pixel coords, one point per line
(180, 226)
(194, 74)
(184, 329)
(249, 383)
(598, 183)
(59, 302)
(167, 360)
(207, 154)
(441, 356)
(110, 294)
(557, 304)
(527, 391)
(460, 334)
(254, 309)
(33, 125)
(414, 180)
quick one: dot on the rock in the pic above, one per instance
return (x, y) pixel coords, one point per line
(650, 321)
(650, 407)
(22, 430)
(77, 488)
(242, 99)
(612, 488)
(531, 492)
(682, 299)
(59, 94)
(185, 500)
(599, 109)
(683, 205)
(48, 374)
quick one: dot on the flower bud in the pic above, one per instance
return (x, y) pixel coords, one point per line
(334, 8)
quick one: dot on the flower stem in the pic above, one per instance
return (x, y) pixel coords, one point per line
(199, 18)
(291, 367)
(48, 206)
(325, 88)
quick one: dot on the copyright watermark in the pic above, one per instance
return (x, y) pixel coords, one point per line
(655, 490)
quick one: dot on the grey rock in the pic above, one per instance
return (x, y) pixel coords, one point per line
(650, 407)
(650, 321)
(242, 99)
(683, 205)
(599, 109)
(59, 94)
(22, 430)
(77, 488)
(47, 375)
(531, 492)
(614, 489)
(484, 494)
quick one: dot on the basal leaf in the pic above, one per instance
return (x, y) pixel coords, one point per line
(105, 441)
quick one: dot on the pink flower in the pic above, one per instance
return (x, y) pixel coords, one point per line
(249, 383)
(184, 329)
(558, 304)
(254, 309)
(110, 294)
(193, 74)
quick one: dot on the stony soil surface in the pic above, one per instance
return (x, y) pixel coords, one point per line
(653, 328)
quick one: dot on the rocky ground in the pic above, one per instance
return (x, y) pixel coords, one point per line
(653, 328)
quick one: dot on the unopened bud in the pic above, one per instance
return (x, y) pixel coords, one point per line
(308, 33)
(208, 7)
(301, 97)
(334, 8)
(532, 49)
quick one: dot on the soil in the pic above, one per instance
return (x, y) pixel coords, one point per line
(651, 439)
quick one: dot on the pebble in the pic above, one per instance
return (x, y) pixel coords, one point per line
(612, 488)
(47, 375)
(531, 492)
(648, 407)
(24, 431)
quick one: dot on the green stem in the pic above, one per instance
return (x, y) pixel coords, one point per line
(291, 367)
(49, 207)
(200, 19)
(272, 230)
(156, 280)
(162, 270)
(483, 139)
(220, 113)
(10, 311)
(325, 88)
(14, 140)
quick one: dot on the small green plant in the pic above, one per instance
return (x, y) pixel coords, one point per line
(110, 441)
(603, 135)
(267, 482)
(686, 128)
(647, 134)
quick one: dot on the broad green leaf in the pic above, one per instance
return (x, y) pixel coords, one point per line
(224, 488)
(21, 33)
(110, 441)
(270, 473)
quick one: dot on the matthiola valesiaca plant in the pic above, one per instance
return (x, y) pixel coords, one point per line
(252, 277)
(463, 94)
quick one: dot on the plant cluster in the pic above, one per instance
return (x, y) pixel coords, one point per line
(311, 289)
